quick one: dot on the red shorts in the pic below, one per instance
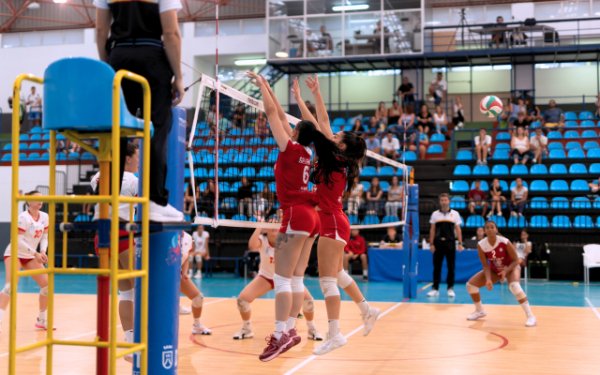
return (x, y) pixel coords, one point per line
(270, 281)
(123, 242)
(335, 225)
(23, 261)
(300, 219)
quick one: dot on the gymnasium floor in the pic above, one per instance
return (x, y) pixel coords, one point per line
(424, 336)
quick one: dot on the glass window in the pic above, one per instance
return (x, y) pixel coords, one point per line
(283, 8)
(11, 40)
(324, 36)
(253, 26)
(229, 27)
(286, 38)
(494, 11)
(204, 29)
(401, 4)
(404, 31)
(363, 34)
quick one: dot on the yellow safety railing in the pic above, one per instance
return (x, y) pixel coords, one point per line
(108, 152)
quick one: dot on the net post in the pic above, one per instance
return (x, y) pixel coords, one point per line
(410, 243)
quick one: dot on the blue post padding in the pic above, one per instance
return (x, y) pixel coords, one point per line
(411, 243)
(103, 232)
(176, 158)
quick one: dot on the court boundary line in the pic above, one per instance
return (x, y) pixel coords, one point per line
(594, 309)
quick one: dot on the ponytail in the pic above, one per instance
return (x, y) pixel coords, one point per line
(355, 151)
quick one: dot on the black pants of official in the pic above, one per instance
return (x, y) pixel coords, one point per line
(151, 63)
(443, 249)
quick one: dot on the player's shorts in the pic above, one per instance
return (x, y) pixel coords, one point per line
(123, 241)
(35, 115)
(270, 281)
(23, 261)
(300, 219)
(335, 225)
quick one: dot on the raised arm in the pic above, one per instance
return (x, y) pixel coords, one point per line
(102, 29)
(306, 114)
(255, 242)
(324, 126)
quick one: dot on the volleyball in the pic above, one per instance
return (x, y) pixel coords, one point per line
(491, 106)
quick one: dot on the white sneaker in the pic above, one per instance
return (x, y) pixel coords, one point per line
(199, 329)
(451, 293)
(475, 315)
(198, 275)
(531, 321)
(184, 310)
(369, 320)
(244, 333)
(330, 344)
(433, 293)
(165, 214)
(314, 335)
(490, 214)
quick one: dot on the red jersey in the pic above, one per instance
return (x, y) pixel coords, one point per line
(498, 254)
(330, 195)
(356, 245)
(292, 172)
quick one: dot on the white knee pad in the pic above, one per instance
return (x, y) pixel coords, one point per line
(343, 279)
(243, 305)
(329, 286)
(198, 258)
(282, 284)
(44, 291)
(516, 290)
(297, 284)
(6, 289)
(126, 295)
(472, 289)
(308, 306)
(197, 301)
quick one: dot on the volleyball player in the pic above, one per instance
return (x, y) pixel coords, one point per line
(263, 241)
(33, 231)
(300, 222)
(188, 288)
(500, 262)
(200, 251)
(335, 173)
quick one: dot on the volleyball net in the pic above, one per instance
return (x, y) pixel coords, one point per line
(231, 155)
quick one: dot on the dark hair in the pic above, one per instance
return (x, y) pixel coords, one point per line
(355, 151)
(306, 132)
(131, 149)
(32, 192)
(446, 195)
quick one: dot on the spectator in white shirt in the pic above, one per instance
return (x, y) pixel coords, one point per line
(483, 142)
(390, 146)
(34, 107)
(438, 88)
(539, 145)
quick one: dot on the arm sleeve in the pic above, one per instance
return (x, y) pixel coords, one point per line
(101, 4)
(166, 5)
(44, 243)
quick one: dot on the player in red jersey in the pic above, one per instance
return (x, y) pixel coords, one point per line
(500, 261)
(335, 173)
(300, 222)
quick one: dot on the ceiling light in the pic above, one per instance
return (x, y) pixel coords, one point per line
(33, 5)
(250, 62)
(281, 54)
(349, 7)
(59, 1)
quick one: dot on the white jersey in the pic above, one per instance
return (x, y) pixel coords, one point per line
(520, 247)
(186, 246)
(129, 188)
(200, 242)
(31, 231)
(267, 258)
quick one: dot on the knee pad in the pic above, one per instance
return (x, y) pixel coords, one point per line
(44, 291)
(516, 290)
(243, 305)
(297, 284)
(197, 301)
(329, 286)
(472, 289)
(198, 258)
(343, 279)
(308, 306)
(282, 284)
(6, 289)
(126, 295)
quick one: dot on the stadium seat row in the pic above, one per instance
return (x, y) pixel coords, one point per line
(537, 221)
(462, 186)
(542, 203)
(522, 170)
(34, 156)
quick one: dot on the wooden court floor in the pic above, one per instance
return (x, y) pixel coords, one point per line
(408, 339)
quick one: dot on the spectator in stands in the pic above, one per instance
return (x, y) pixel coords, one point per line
(312, 42)
(520, 147)
(418, 142)
(408, 119)
(440, 120)
(523, 247)
(188, 200)
(522, 121)
(424, 120)
(496, 197)
(595, 186)
(325, 40)
(394, 113)
(373, 144)
(518, 198)
(244, 196)
(390, 146)
(597, 112)
(392, 239)
(553, 116)
(499, 35)
(263, 203)
(373, 126)
(34, 107)
(479, 235)
(515, 109)
(356, 249)
(539, 145)
(207, 200)
(458, 117)
(239, 116)
(358, 127)
(438, 89)
(406, 92)
(395, 198)
(355, 198)
(381, 114)
(374, 197)
(506, 111)
(260, 128)
(477, 198)
(483, 144)
(376, 39)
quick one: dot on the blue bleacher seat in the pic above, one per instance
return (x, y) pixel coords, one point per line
(596, 203)
(595, 168)
(464, 155)
(45, 156)
(502, 136)
(410, 155)
(366, 185)
(459, 186)
(513, 184)
(499, 170)
(458, 203)
(223, 187)
(571, 124)
(538, 169)
(475, 221)
(557, 154)
(386, 171)
(576, 153)
(24, 137)
(583, 221)
(587, 124)
(535, 125)
(60, 156)
(7, 157)
(35, 129)
(572, 145)
(353, 219)
(435, 149)
(570, 134)
(502, 146)
(503, 185)
(36, 137)
(538, 203)
(570, 115)
(560, 203)
(73, 156)
(483, 185)
(370, 219)
(581, 203)
(499, 220)
(368, 171)
(82, 218)
(338, 122)
(598, 222)
(517, 222)
(519, 170)
(385, 186)
(481, 170)
(249, 172)
(266, 172)
(539, 221)
(586, 115)
(558, 169)
(555, 146)
(239, 217)
(437, 137)
(593, 153)
(501, 154)
(33, 156)
(577, 168)
(589, 133)
(23, 146)
(554, 134)
(590, 144)
(539, 186)
(559, 185)
(46, 137)
(390, 219)
(229, 203)
(579, 185)
(561, 221)
(248, 132)
(35, 146)
(7, 147)
(269, 141)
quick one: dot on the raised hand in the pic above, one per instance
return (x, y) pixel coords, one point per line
(312, 82)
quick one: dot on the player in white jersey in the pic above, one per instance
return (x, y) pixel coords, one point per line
(263, 241)
(33, 231)
(189, 289)
(200, 252)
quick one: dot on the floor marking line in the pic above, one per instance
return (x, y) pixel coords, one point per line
(594, 309)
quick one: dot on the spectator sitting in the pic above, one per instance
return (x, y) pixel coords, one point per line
(553, 116)
(263, 203)
(207, 201)
(325, 40)
(515, 109)
(395, 198)
(390, 146)
(356, 249)
(518, 198)
(355, 198)
(381, 114)
(496, 197)
(479, 235)
(424, 120)
(594, 187)
(523, 247)
(440, 120)
(358, 127)
(239, 116)
(597, 112)
(539, 145)
(499, 36)
(477, 198)
(406, 92)
(373, 144)
(483, 143)
(506, 111)
(394, 113)
(438, 89)
(244, 196)
(419, 141)
(188, 200)
(374, 197)
(408, 120)
(520, 147)
(522, 121)
(458, 118)
(260, 128)
(391, 240)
